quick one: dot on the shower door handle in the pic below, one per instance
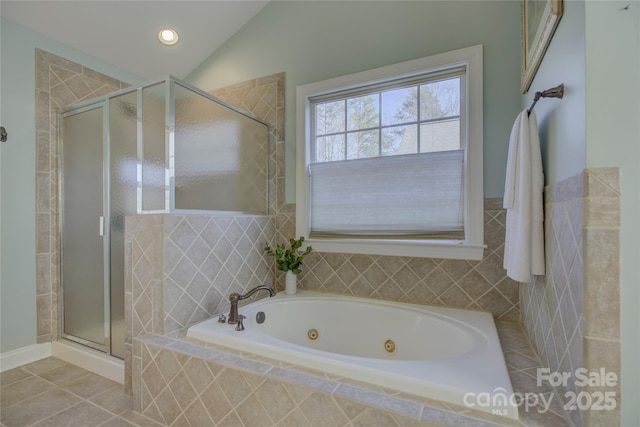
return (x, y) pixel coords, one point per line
(101, 226)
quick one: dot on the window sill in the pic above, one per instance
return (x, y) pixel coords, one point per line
(408, 248)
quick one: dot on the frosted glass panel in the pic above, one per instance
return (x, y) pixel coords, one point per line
(216, 157)
(123, 197)
(220, 156)
(82, 247)
(154, 147)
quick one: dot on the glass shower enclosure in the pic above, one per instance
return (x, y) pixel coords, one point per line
(165, 147)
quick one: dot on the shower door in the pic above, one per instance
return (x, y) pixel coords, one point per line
(98, 181)
(84, 241)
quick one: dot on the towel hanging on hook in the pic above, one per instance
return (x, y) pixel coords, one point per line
(554, 92)
(524, 180)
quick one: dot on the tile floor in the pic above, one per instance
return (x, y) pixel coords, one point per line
(54, 393)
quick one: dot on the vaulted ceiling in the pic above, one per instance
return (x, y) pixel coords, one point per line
(123, 33)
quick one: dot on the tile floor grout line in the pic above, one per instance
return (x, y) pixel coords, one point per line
(54, 414)
(30, 396)
(63, 387)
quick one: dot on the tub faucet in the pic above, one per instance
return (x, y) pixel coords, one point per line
(235, 297)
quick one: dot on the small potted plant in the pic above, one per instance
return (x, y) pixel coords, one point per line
(289, 260)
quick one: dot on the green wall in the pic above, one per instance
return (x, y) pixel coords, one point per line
(613, 139)
(313, 41)
(561, 123)
(596, 53)
(17, 175)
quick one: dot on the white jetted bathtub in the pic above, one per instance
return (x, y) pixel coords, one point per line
(435, 352)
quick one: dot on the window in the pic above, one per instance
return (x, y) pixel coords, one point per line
(390, 160)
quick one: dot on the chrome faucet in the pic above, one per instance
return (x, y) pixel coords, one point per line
(235, 297)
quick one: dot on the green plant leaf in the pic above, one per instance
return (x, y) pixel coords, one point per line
(288, 259)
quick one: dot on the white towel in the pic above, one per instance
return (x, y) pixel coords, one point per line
(524, 240)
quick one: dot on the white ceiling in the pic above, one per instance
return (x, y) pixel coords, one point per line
(123, 33)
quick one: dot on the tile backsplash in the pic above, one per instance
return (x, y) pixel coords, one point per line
(478, 285)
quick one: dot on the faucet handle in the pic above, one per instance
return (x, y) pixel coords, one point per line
(240, 326)
(222, 318)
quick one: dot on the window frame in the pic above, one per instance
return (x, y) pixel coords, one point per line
(472, 246)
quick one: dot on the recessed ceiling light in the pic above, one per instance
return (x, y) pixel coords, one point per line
(168, 36)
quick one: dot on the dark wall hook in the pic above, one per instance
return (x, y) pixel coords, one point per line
(3, 134)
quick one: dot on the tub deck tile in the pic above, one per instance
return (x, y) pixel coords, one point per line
(304, 379)
(382, 400)
(353, 398)
(195, 350)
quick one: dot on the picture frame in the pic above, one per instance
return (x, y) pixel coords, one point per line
(539, 19)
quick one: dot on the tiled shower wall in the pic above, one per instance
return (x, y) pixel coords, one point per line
(264, 98)
(181, 272)
(59, 83)
(572, 314)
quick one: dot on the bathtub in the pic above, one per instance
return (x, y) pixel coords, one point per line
(439, 353)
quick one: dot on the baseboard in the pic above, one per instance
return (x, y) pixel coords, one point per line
(89, 359)
(83, 357)
(23, 355)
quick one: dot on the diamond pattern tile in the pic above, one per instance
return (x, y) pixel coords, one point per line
(215, 402)
(245, 398)
(553, 305)
(205, 258)
(399, 278)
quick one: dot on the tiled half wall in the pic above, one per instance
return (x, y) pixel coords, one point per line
(181, 269)
(572, 314)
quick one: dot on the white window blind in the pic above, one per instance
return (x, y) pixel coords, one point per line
(416, 196)
(389, 160)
